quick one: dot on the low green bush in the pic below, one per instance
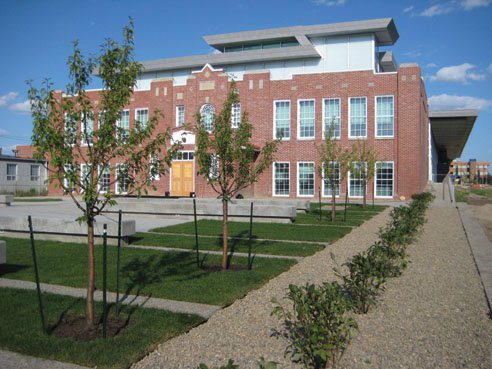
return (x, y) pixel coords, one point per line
(319, 329)
(262, 364)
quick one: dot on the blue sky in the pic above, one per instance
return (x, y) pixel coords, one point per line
(449, 39)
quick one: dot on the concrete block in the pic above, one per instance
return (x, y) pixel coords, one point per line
(6, 200)
(3, 252)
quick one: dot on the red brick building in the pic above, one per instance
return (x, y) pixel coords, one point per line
(296, 80)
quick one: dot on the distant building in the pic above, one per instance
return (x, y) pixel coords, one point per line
(296, 82)
(22, 176)
(471, 170)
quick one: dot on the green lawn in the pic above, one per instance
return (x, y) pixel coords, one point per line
(461, 194)
(486, 191)
(235, 245)
(170, 275)
(270, 231)
(37, 199)
(21, 330)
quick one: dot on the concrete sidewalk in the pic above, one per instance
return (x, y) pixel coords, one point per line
(13, 360)
(203, 310)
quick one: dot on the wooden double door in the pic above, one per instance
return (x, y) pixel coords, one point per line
(182, 178)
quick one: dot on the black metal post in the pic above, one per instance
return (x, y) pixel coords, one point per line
(250, 264)
(36, 273)
(346, 202)
(196, 235)
(105, 260)
(118, 264)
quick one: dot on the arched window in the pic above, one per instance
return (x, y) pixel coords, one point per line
(207, 113)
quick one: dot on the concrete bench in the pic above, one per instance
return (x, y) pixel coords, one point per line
(6, 200)
(3, 252)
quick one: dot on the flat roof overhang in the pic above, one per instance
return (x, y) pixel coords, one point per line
(450, 130)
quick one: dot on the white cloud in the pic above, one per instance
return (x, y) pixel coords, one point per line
(329, 2)
(431, 65)
(412, 54)
(3, 132)
(446, 101)
(22, 107)
(472, 4)
(490, 68)
(408, 9)
(5, 99)
(437, 9)
(457, 73)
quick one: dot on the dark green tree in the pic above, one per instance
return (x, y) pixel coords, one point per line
(64, 132)
(227, 158)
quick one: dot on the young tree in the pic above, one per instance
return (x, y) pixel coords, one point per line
(227, 159)
(79, 157)
(334, 161)
(365, 157)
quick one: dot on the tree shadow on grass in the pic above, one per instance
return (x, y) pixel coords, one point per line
(6, 269)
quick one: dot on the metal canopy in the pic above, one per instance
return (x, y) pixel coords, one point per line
(450, 130)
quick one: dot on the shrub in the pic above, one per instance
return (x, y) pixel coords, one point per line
(319, 328)
(262, 364)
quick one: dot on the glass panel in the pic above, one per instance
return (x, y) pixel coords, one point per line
(282, 119)
(384, 116)
(282, 185)
(306, 179)
(358, 117)
(207, 112)
(332, 117)
(384, 179)
(331, 178)
(306, 118)
(142, 118)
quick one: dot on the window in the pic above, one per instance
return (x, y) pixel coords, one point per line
(184, 156)
(70, 129)
(85, 172)
(355, 182)
(384, 116)
(236, 115)
(207, 117)
(214, 167)
(154, 168)
(281, 179)
(384, 179)
(358, 117)
(104, 178)
(35, 170)
(121, 185)
(141, 118)
(11, 172)
(69, 178)
(180, 115)
(331, 178)
(305, 179)
(123, 125)
(282, 119)
(331, 117)
(87, 129)
(306, 119)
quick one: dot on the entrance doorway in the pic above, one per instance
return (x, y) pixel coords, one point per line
(183, 174)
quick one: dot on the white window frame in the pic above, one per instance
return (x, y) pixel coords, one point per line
(70, 136)
(89, 139)
(66, 183)
(212, 117)
(35, 177)
(153, 178)
(117, 182)
(349, 180)
(100, 178)
(323, 186)
(236, 115)
(83, 174)
(275, 136)
(11, 177)
(274, 179)
(350, 117)
(392, 179)
(213, 173)
(137, 111)
(119, 121)
(298, 178)
(299, 119)
(336, 137)
(180, 113)
(376, 117)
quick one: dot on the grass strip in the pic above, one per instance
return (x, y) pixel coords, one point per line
(235, 245)
(21, 330)
(170, 275)
(270, 231)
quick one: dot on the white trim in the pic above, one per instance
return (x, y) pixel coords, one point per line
(323, 116)
(209, 67)
(82, 165)
(323, 182)
(314, 178)
(118, 123)
(273, 178)
(310, 138)
(99, 177)
(349, 116)
(176, 115)
(348, 183)
(275, 119)
(376, 117)
(116, 182)
(392, 180)
(135, 116)
(82, 129)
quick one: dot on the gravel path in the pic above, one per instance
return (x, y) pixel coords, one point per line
(434, 316)
(242, 331)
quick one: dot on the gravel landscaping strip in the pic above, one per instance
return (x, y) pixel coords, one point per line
(243, 330)
(433, 316)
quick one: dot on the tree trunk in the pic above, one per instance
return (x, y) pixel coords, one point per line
(364, 194)
(89, 316)
(225, 235)
(333, 205)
